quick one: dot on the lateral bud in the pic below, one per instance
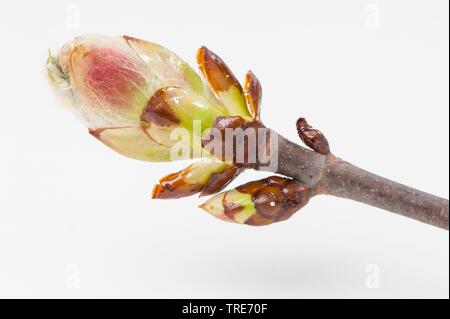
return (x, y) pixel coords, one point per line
(202, 177)
(259, 203)
(312, 137)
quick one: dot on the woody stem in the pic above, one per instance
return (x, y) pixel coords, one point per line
(328, 175)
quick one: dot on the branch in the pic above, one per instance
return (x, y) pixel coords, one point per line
(328, 175)
(152, 111)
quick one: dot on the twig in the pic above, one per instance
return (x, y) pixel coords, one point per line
(328, 175)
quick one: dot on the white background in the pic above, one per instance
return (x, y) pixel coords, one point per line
(76, 219)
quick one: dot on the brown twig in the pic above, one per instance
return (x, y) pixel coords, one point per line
(328, 175)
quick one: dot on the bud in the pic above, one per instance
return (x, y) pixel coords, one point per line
(109, 82)
(261, 202)
(223, 82)
(253, 95)
(312, 137)
(132, 95)
(202, 177)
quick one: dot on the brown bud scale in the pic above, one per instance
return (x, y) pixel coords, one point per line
(312, 137)
(158, 111)
(219, 181)
(222, 123)
(173, 186)
(253, 95)
(216, 71)
(276, 199)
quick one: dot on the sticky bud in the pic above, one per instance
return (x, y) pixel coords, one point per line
(205, 178)
(312, 137)
(110, 81)
(260, 202)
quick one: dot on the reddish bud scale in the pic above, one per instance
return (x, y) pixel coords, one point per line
(221, 124)
(312, 137)
(158, 111)
(216, 71)
(219, 181)
(253, 95)
(276, 199)
(173, 186)
(177, 185)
